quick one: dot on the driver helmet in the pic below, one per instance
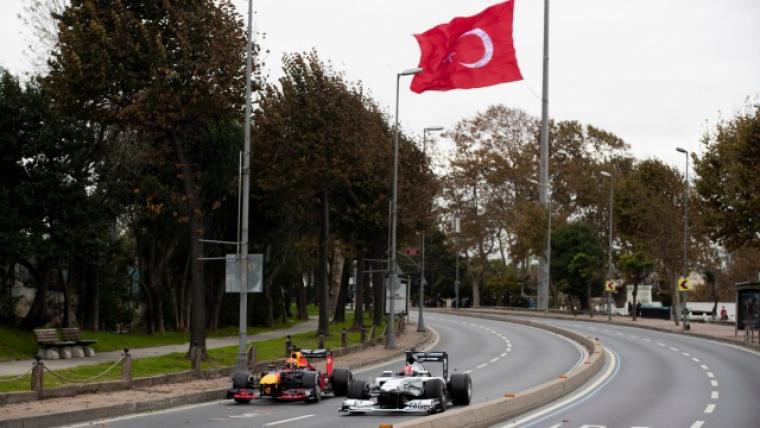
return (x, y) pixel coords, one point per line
(291, 363)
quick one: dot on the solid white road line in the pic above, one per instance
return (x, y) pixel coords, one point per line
(714, 395)
(139, 415)
(572, 398)
(710, 407)
(284, 421)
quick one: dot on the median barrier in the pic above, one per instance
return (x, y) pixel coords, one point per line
(513, 404)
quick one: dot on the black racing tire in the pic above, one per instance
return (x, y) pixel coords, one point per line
(242, 400)
(340, 379)
(310, 381)
(240, 380)
(357, 389)
(460, 389)
(435, 388)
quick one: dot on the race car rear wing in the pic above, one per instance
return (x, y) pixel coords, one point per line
(435, 357)
(318, 353)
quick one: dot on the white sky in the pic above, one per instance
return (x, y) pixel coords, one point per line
(657, 73)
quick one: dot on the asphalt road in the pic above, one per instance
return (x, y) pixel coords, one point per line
(501, 357)
(659, 380)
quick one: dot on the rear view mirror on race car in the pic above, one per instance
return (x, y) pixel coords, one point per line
(295, 379)
(411, 390)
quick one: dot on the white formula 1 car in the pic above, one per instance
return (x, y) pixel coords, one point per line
(411, 390)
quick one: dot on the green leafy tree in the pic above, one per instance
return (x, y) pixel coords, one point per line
(166, 71)
(577, 261)
(636, 267)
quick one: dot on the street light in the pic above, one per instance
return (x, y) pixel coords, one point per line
(609, 251)
(391, 343)
(685, 310)
(421, 319)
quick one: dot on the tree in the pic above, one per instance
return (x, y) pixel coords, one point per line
(577, 261)
(636, 267)
(727, 186)
(165, 70)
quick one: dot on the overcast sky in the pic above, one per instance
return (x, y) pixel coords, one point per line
(657, 73)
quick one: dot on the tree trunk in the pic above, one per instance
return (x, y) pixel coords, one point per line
(360, 278)
(588, 300)
(345, 277)
(38, 313)
(91, 299)
(378, 287)
(322, 275)
(198, 297)
(634, 293)
(301, 303)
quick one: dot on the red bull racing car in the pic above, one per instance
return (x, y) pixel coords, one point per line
(296, 380)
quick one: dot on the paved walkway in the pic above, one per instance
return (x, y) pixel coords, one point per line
(12, 368)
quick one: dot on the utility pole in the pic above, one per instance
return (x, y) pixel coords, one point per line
(543, 263)
(685, 310)
(609, 249)
(246, 174)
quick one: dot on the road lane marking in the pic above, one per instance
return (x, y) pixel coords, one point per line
(646, 339)
(685, 354)
(493, 360)
(710, 407)
(714, 395)
(695, 359)
(660, 344)
(633, 336)
(480, 366)
(503, 354)
(139, 415)
(284, 421)
(575, 398)
(468, 371)
(704, 367)
(697, 424)
(714, 382)
(710, 375)
(674, 349)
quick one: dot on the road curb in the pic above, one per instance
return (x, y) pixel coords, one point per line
(738, 343)
(500, 409)
(95, 414)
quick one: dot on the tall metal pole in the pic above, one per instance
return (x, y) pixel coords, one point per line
(391, 342)
(685, 310)
(543, 263)
(243, 256)
(421, 304)
(609, 250)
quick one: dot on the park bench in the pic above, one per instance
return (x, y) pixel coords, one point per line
(51, 345)
(84, 346)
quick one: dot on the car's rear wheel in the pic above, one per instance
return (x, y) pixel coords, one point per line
(357, 389)
(435, 389)
(240, 380)
(310, 381)
(242, 400)
(340, 379)
(460, 387)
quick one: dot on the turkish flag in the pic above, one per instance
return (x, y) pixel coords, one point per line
(468, 52)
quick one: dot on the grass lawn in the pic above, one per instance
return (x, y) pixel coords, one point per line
(19, 344)
(176, 362)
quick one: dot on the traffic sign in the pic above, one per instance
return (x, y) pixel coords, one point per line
(255, 268)
(684, 284)
(610, 285)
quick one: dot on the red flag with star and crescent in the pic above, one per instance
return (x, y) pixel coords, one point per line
(468, 52)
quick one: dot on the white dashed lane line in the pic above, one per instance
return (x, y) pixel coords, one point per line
(714, 395)
(710, 408)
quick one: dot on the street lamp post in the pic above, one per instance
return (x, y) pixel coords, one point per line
(685, 310)
(421, 305)
(609, 251)
(391, 341)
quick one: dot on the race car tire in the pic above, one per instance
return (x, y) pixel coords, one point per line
(242, 400)
(310, 381)
(435, 388)
(460, 388)
(340, 379)
(357, 389)
(240, 379)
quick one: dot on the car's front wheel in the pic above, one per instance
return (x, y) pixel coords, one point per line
(310, 381)
(436, 389)
(357, 389)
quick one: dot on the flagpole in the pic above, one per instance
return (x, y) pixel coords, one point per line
(543, 290)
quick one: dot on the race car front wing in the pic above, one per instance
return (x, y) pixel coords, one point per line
(418, 406)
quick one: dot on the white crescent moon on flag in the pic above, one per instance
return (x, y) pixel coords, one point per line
(487, 46)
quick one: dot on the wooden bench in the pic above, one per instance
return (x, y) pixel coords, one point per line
(51, 345)
(84, 346)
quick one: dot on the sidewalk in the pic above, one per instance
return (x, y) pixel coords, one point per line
(13, 368)
(716, 331)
